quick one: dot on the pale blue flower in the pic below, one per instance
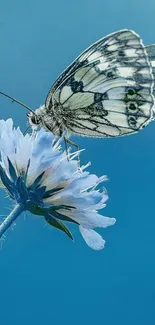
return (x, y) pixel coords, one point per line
(41, 179)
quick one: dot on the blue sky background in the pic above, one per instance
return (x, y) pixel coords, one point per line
(45, 278)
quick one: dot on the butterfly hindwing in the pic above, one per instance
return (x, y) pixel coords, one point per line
(107, 90)
(150, 49)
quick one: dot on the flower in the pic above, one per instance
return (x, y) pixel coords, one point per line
(40, 178)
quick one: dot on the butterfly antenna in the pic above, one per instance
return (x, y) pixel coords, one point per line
(16, 101)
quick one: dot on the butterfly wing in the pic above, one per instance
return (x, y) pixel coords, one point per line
(107, 90)
(150, 49)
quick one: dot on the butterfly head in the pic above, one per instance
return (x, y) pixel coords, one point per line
(33, 119)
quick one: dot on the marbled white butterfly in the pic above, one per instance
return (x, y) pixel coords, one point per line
(106, 92)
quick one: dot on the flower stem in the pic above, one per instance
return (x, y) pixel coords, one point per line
(18, 209)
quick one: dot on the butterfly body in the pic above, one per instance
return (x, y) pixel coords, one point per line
(52, 120)
(106, 92)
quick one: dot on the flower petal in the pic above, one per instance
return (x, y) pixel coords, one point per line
(89, 219)
(92, 238)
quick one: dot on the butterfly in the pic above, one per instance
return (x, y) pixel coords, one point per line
(106, 92)
(150, 49)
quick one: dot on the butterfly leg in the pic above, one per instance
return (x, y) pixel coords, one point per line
(66, 147)
(68, 141)
(26, 130)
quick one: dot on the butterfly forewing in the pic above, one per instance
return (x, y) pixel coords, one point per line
(107, 90)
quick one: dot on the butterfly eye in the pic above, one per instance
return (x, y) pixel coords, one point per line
(33, 119)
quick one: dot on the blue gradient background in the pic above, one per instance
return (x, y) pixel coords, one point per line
(44, 277)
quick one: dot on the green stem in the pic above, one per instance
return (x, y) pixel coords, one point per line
(18, 209)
